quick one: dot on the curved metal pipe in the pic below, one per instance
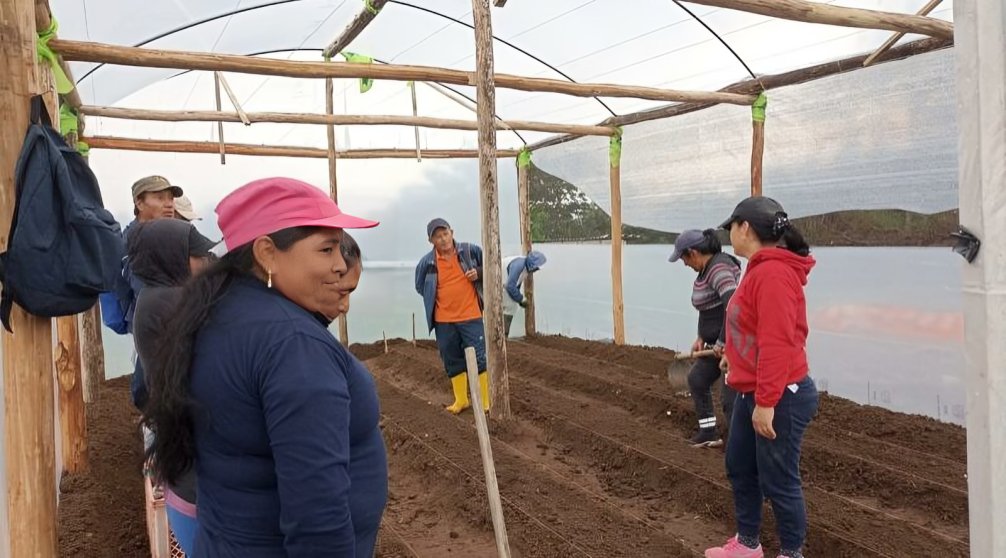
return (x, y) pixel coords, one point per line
(718, 38)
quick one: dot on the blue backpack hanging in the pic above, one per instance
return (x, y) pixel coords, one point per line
(64, 247)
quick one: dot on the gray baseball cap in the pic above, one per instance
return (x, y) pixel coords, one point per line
(435, 224)
(154, 184)
(686, 241)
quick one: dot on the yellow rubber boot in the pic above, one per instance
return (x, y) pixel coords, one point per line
(460, 385)
(484, 389)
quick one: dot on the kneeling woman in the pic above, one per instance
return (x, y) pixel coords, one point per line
(280, 420)
(767, 356)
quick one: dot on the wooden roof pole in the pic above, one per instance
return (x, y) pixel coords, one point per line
(338, 119)
(176, 146)
(355, 27)
(182, 60)
(816, 12)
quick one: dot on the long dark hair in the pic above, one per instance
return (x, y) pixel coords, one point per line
(710, 244)
(169, 412)
(350, 250)
(778, 229)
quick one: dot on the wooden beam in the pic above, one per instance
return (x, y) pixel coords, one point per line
(752, 87)
(333, 182)
(816, 12)
(499, 3)
(28, 428)
(617, 303)
(178, 146)
(151, 58)
(492, 280)
(355, 27)
(757, 145)
(93, 353)
(415, 113)
(72, 416)
(930, 6)
(233, 98)
(524, 203)
(340, 120)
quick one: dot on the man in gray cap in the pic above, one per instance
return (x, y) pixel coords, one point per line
(154, 198)
(449, 278)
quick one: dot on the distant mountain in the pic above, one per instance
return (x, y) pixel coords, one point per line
(561, 212)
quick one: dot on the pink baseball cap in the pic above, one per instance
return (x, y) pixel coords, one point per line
(272, 204)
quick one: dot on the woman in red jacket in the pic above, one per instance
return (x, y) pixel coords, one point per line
(766, 351)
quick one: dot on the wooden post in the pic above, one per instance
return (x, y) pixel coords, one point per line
(757, 143)
(486, 449)
(333, 182)
(617, 305)
(93, 353)
(29, 433)
(492, 279)
(220, 125)
(981, 88)
(385, 335)
(413, 329)
(72, 418)
(524, 202)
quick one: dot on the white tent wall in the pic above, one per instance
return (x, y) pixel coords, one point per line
(879, 138)
(981, 57)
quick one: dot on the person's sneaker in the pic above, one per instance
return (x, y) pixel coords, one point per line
(706, 438)
(734, 549)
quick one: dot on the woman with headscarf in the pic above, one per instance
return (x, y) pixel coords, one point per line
(279, 419)
(164, 254)
(766, 352)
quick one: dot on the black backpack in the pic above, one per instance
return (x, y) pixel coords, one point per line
(64, 247)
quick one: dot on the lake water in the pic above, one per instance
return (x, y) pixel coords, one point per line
(886, 323)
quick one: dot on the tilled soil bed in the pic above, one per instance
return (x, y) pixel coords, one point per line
(595, 464)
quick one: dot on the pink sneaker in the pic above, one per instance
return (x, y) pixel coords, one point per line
(734, 549)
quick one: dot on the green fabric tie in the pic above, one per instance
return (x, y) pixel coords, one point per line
(369, 5)
(67, 120)
(354, 58)
(615, 149)
(524, 158)
(63, 84)
(83, 148)
(758, 108)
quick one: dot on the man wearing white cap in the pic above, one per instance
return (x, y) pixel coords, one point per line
(184, 210)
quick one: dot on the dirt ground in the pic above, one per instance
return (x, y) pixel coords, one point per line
(593, 464)
(101, 512)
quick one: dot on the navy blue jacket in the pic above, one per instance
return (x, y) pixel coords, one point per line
(289, 455)
(470, 256)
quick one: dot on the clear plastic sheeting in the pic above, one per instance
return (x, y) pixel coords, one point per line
(884, 137)
(643, 42)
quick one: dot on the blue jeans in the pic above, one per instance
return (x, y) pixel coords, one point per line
(760, 468)
(454, 337)
(184, 528)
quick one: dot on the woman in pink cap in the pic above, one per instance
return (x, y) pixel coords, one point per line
(279, 420)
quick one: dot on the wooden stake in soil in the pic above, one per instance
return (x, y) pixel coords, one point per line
(29, 432)
(617, 305)
(485, 447)
(492, 280)
(413, 329)
(757, 143)
(72, 418)
(524, 201)
(385, 335)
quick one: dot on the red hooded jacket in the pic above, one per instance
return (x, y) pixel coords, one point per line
(767, 325)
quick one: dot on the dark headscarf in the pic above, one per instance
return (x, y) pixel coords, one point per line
(159, 251)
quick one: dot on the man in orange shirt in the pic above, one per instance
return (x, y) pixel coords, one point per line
(449, 278)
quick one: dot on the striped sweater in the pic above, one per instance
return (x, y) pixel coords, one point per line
(710, 294)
